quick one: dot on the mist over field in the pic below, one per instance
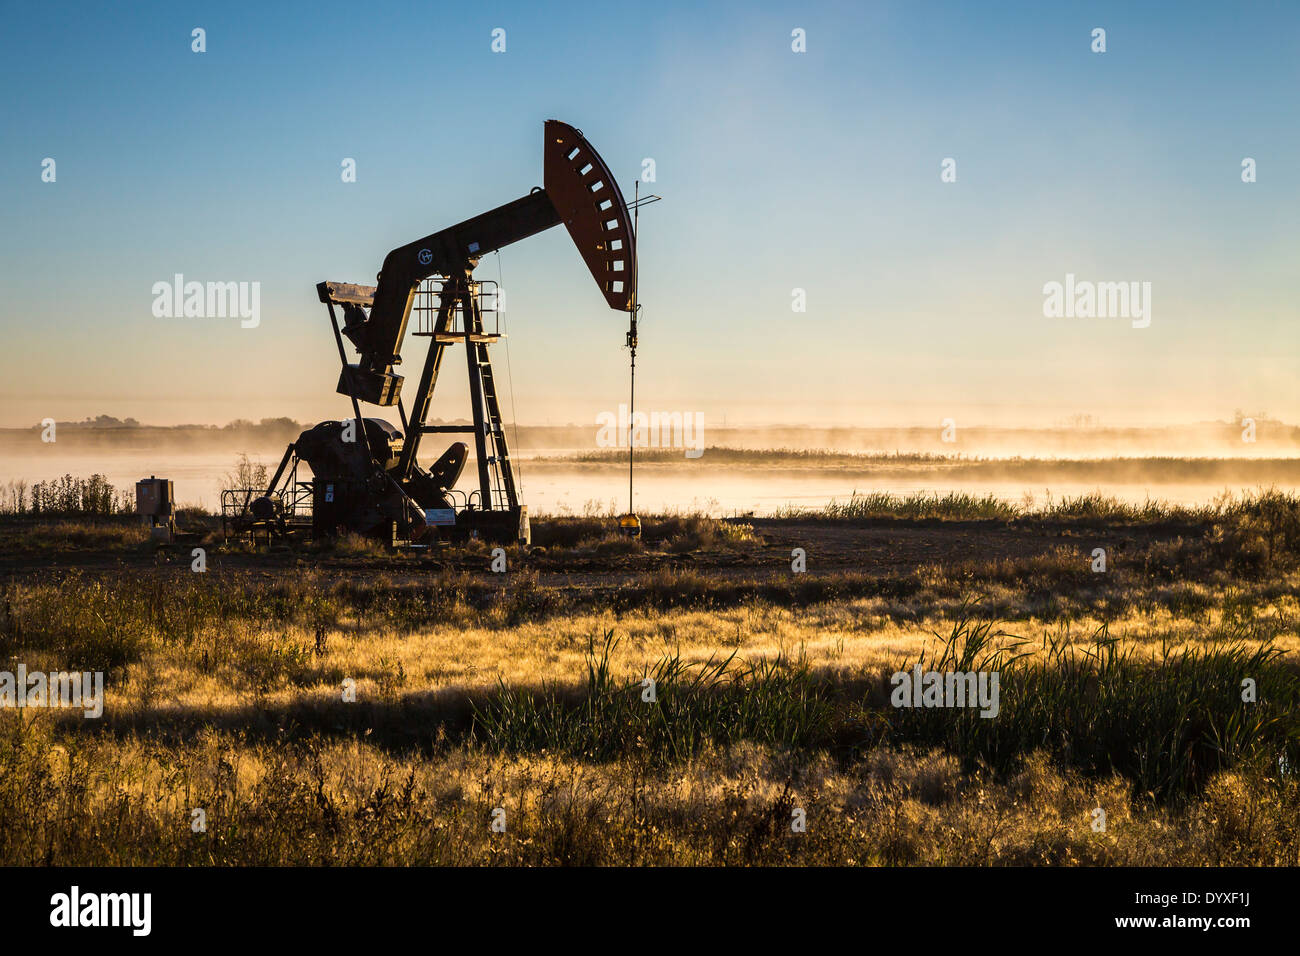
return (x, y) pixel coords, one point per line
(738, 470)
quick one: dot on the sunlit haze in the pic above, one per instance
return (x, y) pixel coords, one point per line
(820, 172)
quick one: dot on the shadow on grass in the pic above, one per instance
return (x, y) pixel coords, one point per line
(1166, 724)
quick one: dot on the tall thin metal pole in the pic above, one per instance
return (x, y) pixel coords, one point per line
(631, 341)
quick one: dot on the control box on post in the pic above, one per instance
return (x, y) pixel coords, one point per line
(155, 503)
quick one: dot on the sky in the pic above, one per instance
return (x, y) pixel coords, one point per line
(818, 171)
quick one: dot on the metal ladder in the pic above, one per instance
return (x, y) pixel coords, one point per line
(496, 472)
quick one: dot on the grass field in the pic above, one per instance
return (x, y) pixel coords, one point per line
(504, 719)
(958, 467)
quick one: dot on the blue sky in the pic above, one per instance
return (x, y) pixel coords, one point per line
(816, 170)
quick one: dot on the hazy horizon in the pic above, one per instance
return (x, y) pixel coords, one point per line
(1077, 424)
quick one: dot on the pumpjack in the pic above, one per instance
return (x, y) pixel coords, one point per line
(366, 475)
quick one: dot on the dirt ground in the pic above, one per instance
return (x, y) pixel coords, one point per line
(886, 548)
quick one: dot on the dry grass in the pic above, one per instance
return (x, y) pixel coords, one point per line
(23, 535)
(347, 802)
(225, 642)
(679, 532)
(224, 693)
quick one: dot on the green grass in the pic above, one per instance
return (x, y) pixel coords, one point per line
(1167, 724)
(720, 701)
(952, 506)
(1270, 512)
